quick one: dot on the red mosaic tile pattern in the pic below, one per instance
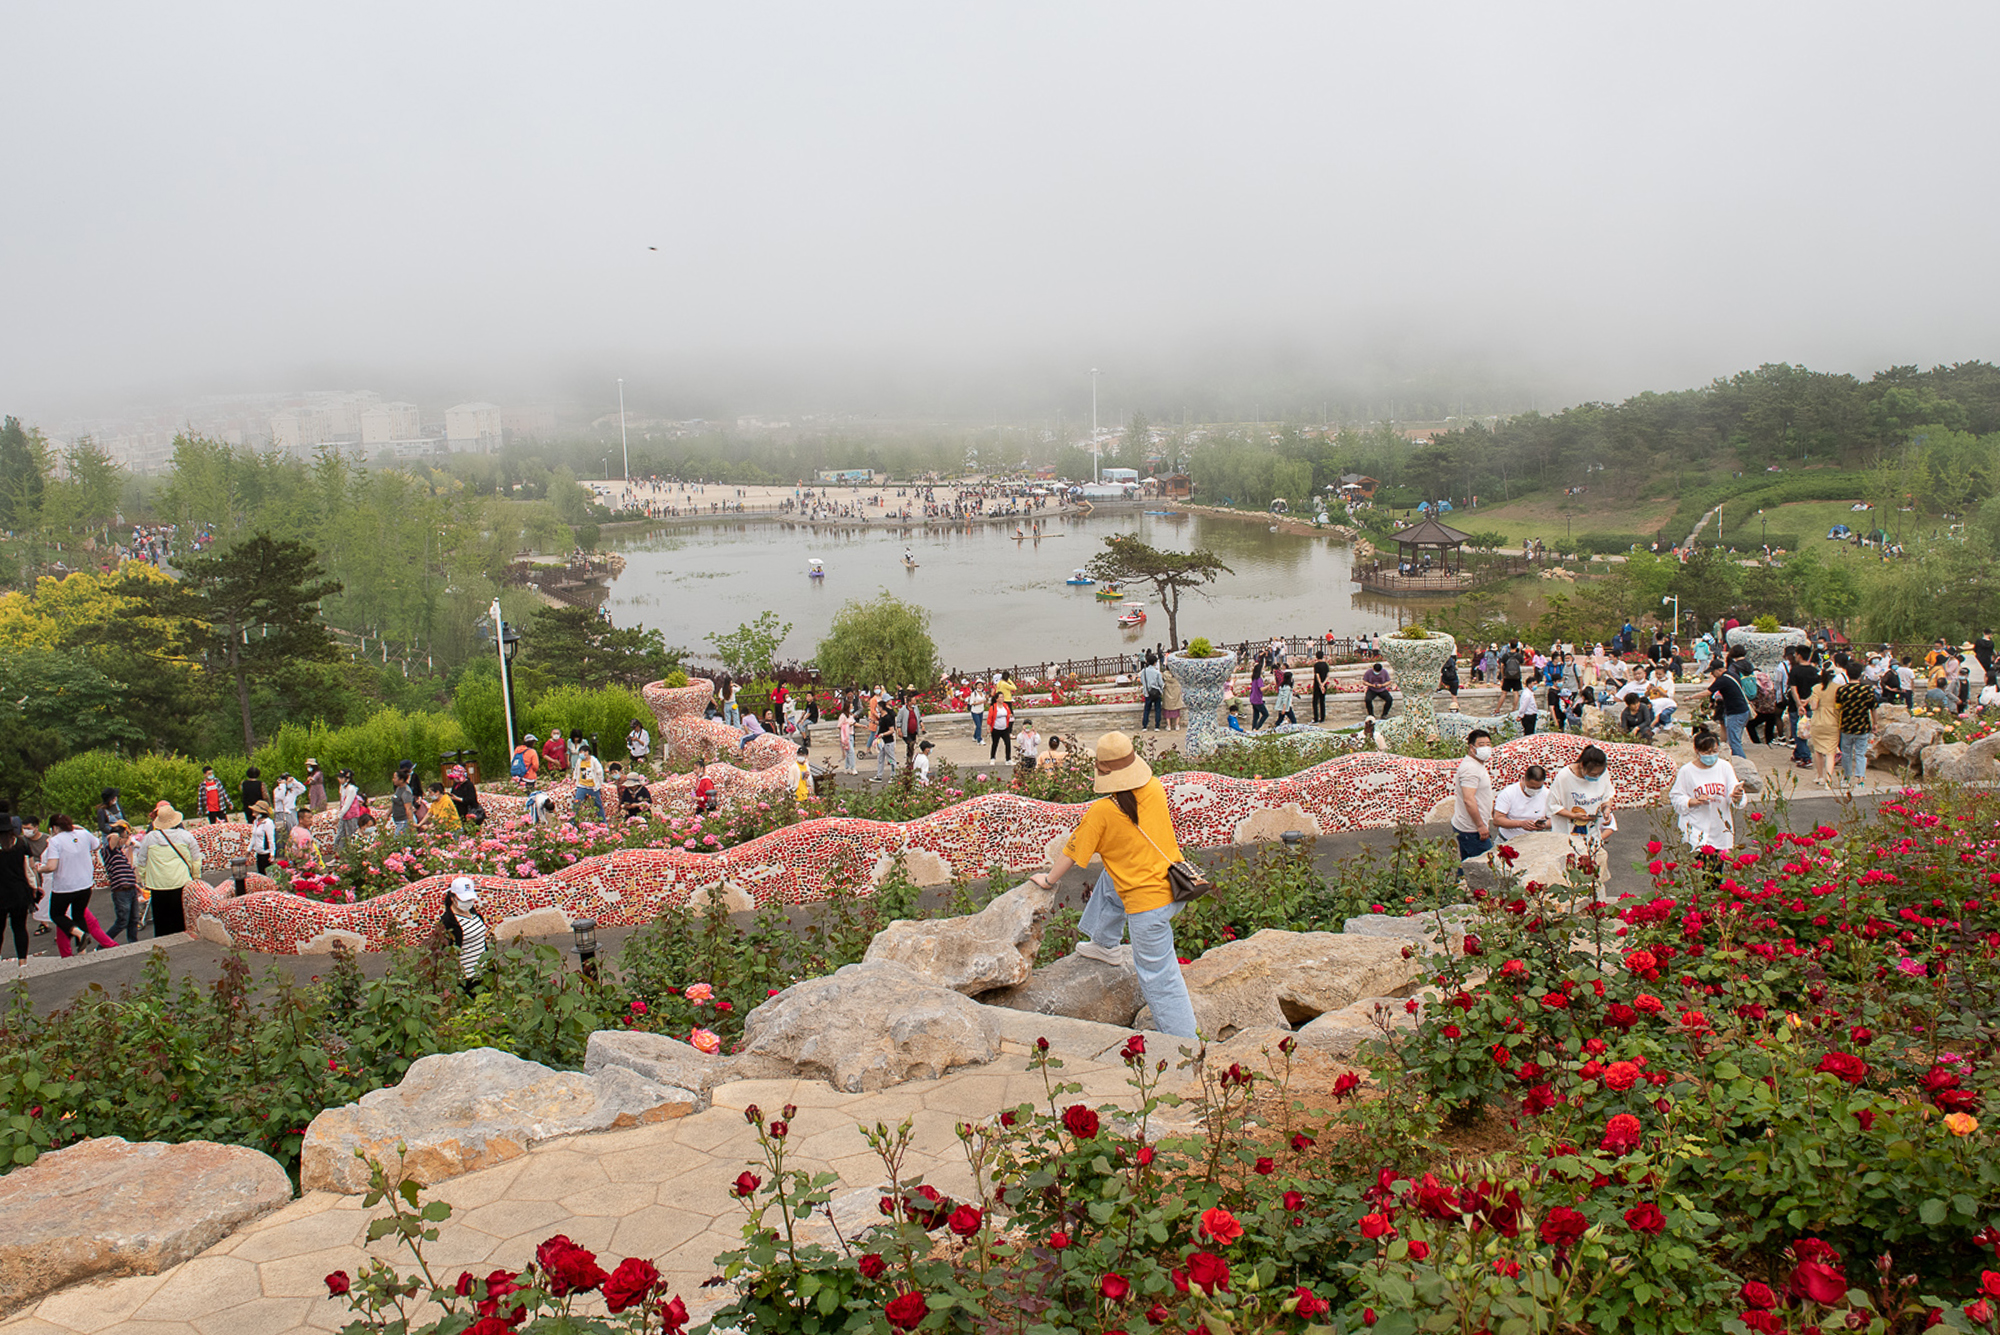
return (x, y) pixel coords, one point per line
(794, 865)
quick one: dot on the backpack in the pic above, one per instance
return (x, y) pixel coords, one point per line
(1766, 699)
(519, 769)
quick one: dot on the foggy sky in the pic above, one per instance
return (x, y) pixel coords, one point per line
(983, 201)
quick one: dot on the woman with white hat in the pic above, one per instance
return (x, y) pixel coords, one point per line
(465, 929)
(1133, 831)
(168, 860)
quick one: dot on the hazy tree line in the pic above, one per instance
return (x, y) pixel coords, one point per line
(1930, 432)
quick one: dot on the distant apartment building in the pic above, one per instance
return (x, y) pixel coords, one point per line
(474, 428)
(528, 423)
(388, 422)
(326, 417)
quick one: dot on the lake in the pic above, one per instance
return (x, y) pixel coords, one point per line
(992, 600)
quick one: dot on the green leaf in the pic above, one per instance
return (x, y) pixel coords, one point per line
(1932, 1212)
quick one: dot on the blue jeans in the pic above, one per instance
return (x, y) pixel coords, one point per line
(593, 796)
(1733, 724)
(1155, 710)
(1105, 922)
(1854, 756)
(978, 718)
(124, 914)
(848, 748)
(1665, 715)
(1471, 844)
(732, 715)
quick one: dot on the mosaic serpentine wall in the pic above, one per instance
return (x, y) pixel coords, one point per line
(793, 865)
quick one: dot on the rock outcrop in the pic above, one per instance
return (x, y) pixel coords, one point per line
(869, 1026)
(1541, 856)
(992, 948)
(1900, 735)
(1422, 930)
(1080, 988)
(1963, 762)
(1341, 1033)
(1280, 980)
(459, 1111)
(662, 1060)
(106, 1207)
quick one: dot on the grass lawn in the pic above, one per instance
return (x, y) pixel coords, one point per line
(1542, 515)
(1811, 519)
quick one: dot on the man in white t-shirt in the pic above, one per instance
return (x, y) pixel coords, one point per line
(1472, 797)
(1524, 805)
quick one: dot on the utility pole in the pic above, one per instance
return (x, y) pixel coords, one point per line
(1093, 424)
(622, 443)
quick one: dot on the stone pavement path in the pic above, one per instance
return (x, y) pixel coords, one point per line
(658, 1191)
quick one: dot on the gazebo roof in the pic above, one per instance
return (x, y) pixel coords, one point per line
(1429, 533)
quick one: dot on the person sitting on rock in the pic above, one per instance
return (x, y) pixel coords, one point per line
(1636, 719)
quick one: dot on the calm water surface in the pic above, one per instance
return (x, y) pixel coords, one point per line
(992, 600)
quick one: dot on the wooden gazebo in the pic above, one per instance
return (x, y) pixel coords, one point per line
(1428, 535)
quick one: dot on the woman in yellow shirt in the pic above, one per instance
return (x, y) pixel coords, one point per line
(1132, 829)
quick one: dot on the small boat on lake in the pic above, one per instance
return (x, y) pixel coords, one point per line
(1079, 579)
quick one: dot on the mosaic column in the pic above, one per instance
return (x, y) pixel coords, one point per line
(1418, 666)
(1202, 680)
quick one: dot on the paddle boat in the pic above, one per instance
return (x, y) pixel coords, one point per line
(909, 561)
(1110, 593)
(1079, 579)
(815, 569)
(1132, 614)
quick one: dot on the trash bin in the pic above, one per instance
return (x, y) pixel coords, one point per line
(468, 758)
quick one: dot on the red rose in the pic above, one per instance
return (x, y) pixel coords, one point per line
(1301, 1142)
(1080, 1121)
(338, 1285)
(1759, 1296)
(1345, 1084)
(1620, 1015)
(1114, 1287)
(747, 1184)
(906, 1310)
(499, 1284)
(1145, 1155)
(1266, 1167)
(673, 1315)
(1866, 1117)
(1562, 1226)
(1989, 1284)
(1764, 1323)
(1621, 1135)
(1642, 962)
(1368, 1317)
(630, 1283)
(1419, 1250)
(465, 1283)
(872, 1266)
(489, 1325)
(1845, 1065)
(1555, 1001)
(966, 1221)
(1374, 1226)
(1979, 1311)
(1208, 1271)
(1295, 1200)
(1310, 1303)
(1059, 1240)
(568, 1267)
(1819, 1282)
(1649, 1003)
(1620, 1075)
(1645, 1219)
(1222, 1226)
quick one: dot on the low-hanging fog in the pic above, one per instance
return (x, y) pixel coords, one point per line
(950, 208)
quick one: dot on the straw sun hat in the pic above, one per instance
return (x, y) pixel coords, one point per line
(1119, 768)
(165, 817)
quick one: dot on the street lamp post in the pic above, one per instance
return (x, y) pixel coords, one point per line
(1763, 530)
(1093, 424)
(623, 444)
(506, 642)
(1675, 599)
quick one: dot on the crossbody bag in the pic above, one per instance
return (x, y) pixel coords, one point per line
(1185, 881)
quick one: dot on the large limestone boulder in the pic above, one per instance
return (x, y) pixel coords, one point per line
(460, 1111)
(1541, 856)
(1080, 988)
(1443, 929)
(106, 1207)
(1903, 738)
(1964, 762)
(994, 947)
(1340, 1034)
(869, 1026)
(662, 1060)
(1280, 980)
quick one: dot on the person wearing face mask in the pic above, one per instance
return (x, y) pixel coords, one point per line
(1524, 805)
(1580, 797)
(1703, 793)
(1472, 797)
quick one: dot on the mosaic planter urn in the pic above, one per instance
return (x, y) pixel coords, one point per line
(1418, 666)
(1202, 680)
(1766, 648)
